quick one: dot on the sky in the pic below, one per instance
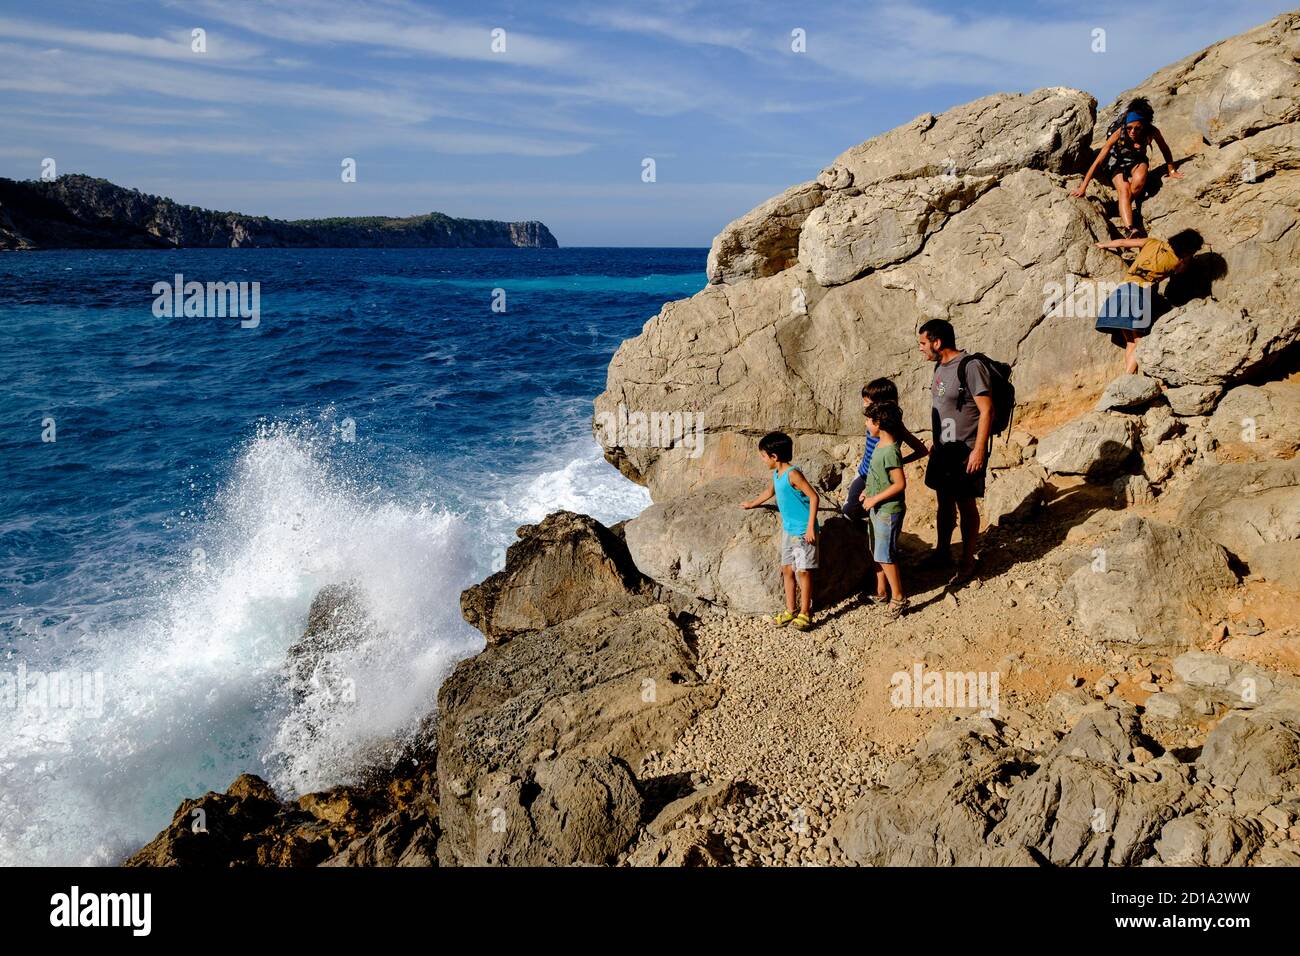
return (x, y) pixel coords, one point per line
(535, 109)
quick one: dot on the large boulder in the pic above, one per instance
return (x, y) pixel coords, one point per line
(1261, 418)
(704, 545)
(1150, 585)
(1209, 343)
(1047, 129)
(1129, 391)
(1255, 753)
(886, 195)
(536, 736)
(1013, 494)
(1095, 444)
(765, 240)
(568, 564)
(1244, 505)
(885, 223)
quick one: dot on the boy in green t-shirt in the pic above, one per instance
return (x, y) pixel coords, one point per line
(884, 500)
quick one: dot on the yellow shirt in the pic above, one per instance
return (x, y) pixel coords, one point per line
(1155, 261)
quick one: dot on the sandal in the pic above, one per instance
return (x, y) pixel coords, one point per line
(896, 610)
(782, 619)
(801, 622)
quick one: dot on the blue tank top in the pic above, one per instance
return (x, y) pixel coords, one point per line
(791, 502)
(866, 455)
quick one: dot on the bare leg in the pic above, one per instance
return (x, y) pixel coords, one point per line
(1130, 352)
(970, 532)
(805, 593)
(1137, 181)
(895, 581)
(1125, 200)
(787, 572)
(882, 591)
(1136, 184)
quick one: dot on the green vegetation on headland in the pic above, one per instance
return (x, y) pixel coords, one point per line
(82, 212)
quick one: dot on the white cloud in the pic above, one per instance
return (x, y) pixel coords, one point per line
(174, 47)
(388, 24)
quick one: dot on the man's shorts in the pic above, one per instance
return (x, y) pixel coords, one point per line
(884, 533)
(798, 553)
(946, 472)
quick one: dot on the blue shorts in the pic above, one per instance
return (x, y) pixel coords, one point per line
(884, 536)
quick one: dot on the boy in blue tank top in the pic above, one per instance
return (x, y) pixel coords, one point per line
(797, 502)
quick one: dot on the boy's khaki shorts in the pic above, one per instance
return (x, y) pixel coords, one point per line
(798, 553)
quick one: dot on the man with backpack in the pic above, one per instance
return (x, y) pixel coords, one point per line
(972, 399)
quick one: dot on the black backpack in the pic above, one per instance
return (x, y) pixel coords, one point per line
(1001, 390)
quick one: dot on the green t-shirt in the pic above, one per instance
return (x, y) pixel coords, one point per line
(884, 458)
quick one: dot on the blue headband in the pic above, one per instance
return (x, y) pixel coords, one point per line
(1134, 117)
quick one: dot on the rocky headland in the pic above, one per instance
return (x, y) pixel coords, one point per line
(81, 212)
(1135, 614)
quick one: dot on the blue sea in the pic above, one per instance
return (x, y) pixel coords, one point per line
(176, 490)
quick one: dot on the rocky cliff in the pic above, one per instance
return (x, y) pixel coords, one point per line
(1118, 686)
(79, 212)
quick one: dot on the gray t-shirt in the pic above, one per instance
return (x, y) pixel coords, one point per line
(951, 424)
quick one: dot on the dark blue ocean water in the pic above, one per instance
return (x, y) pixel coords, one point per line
(381, 424)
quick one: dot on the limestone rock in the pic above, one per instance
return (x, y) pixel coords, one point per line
(1188, 401)
(1255, 753)
(1266, 417)
(1047, 129)
(556, 570)
(1129, 391)
(600, 690)
(1244, 505)
(935, 807)
(694, 804)
(1013, 494)
(1095, 444)
(1161, 462)
(1132, 490)
(1278, 561)
(885, 223)
(1209, 343)
(716, 354)
(1230, 683)
(765, 240)
(249, 825)
(702, 544)
(1076, 811)
(1200, 839)
(1151, 585)
(682, 848)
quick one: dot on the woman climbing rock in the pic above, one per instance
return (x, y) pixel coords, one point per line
(1128, 312)
(1124, 156)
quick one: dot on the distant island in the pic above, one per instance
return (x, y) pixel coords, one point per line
(82, 212)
